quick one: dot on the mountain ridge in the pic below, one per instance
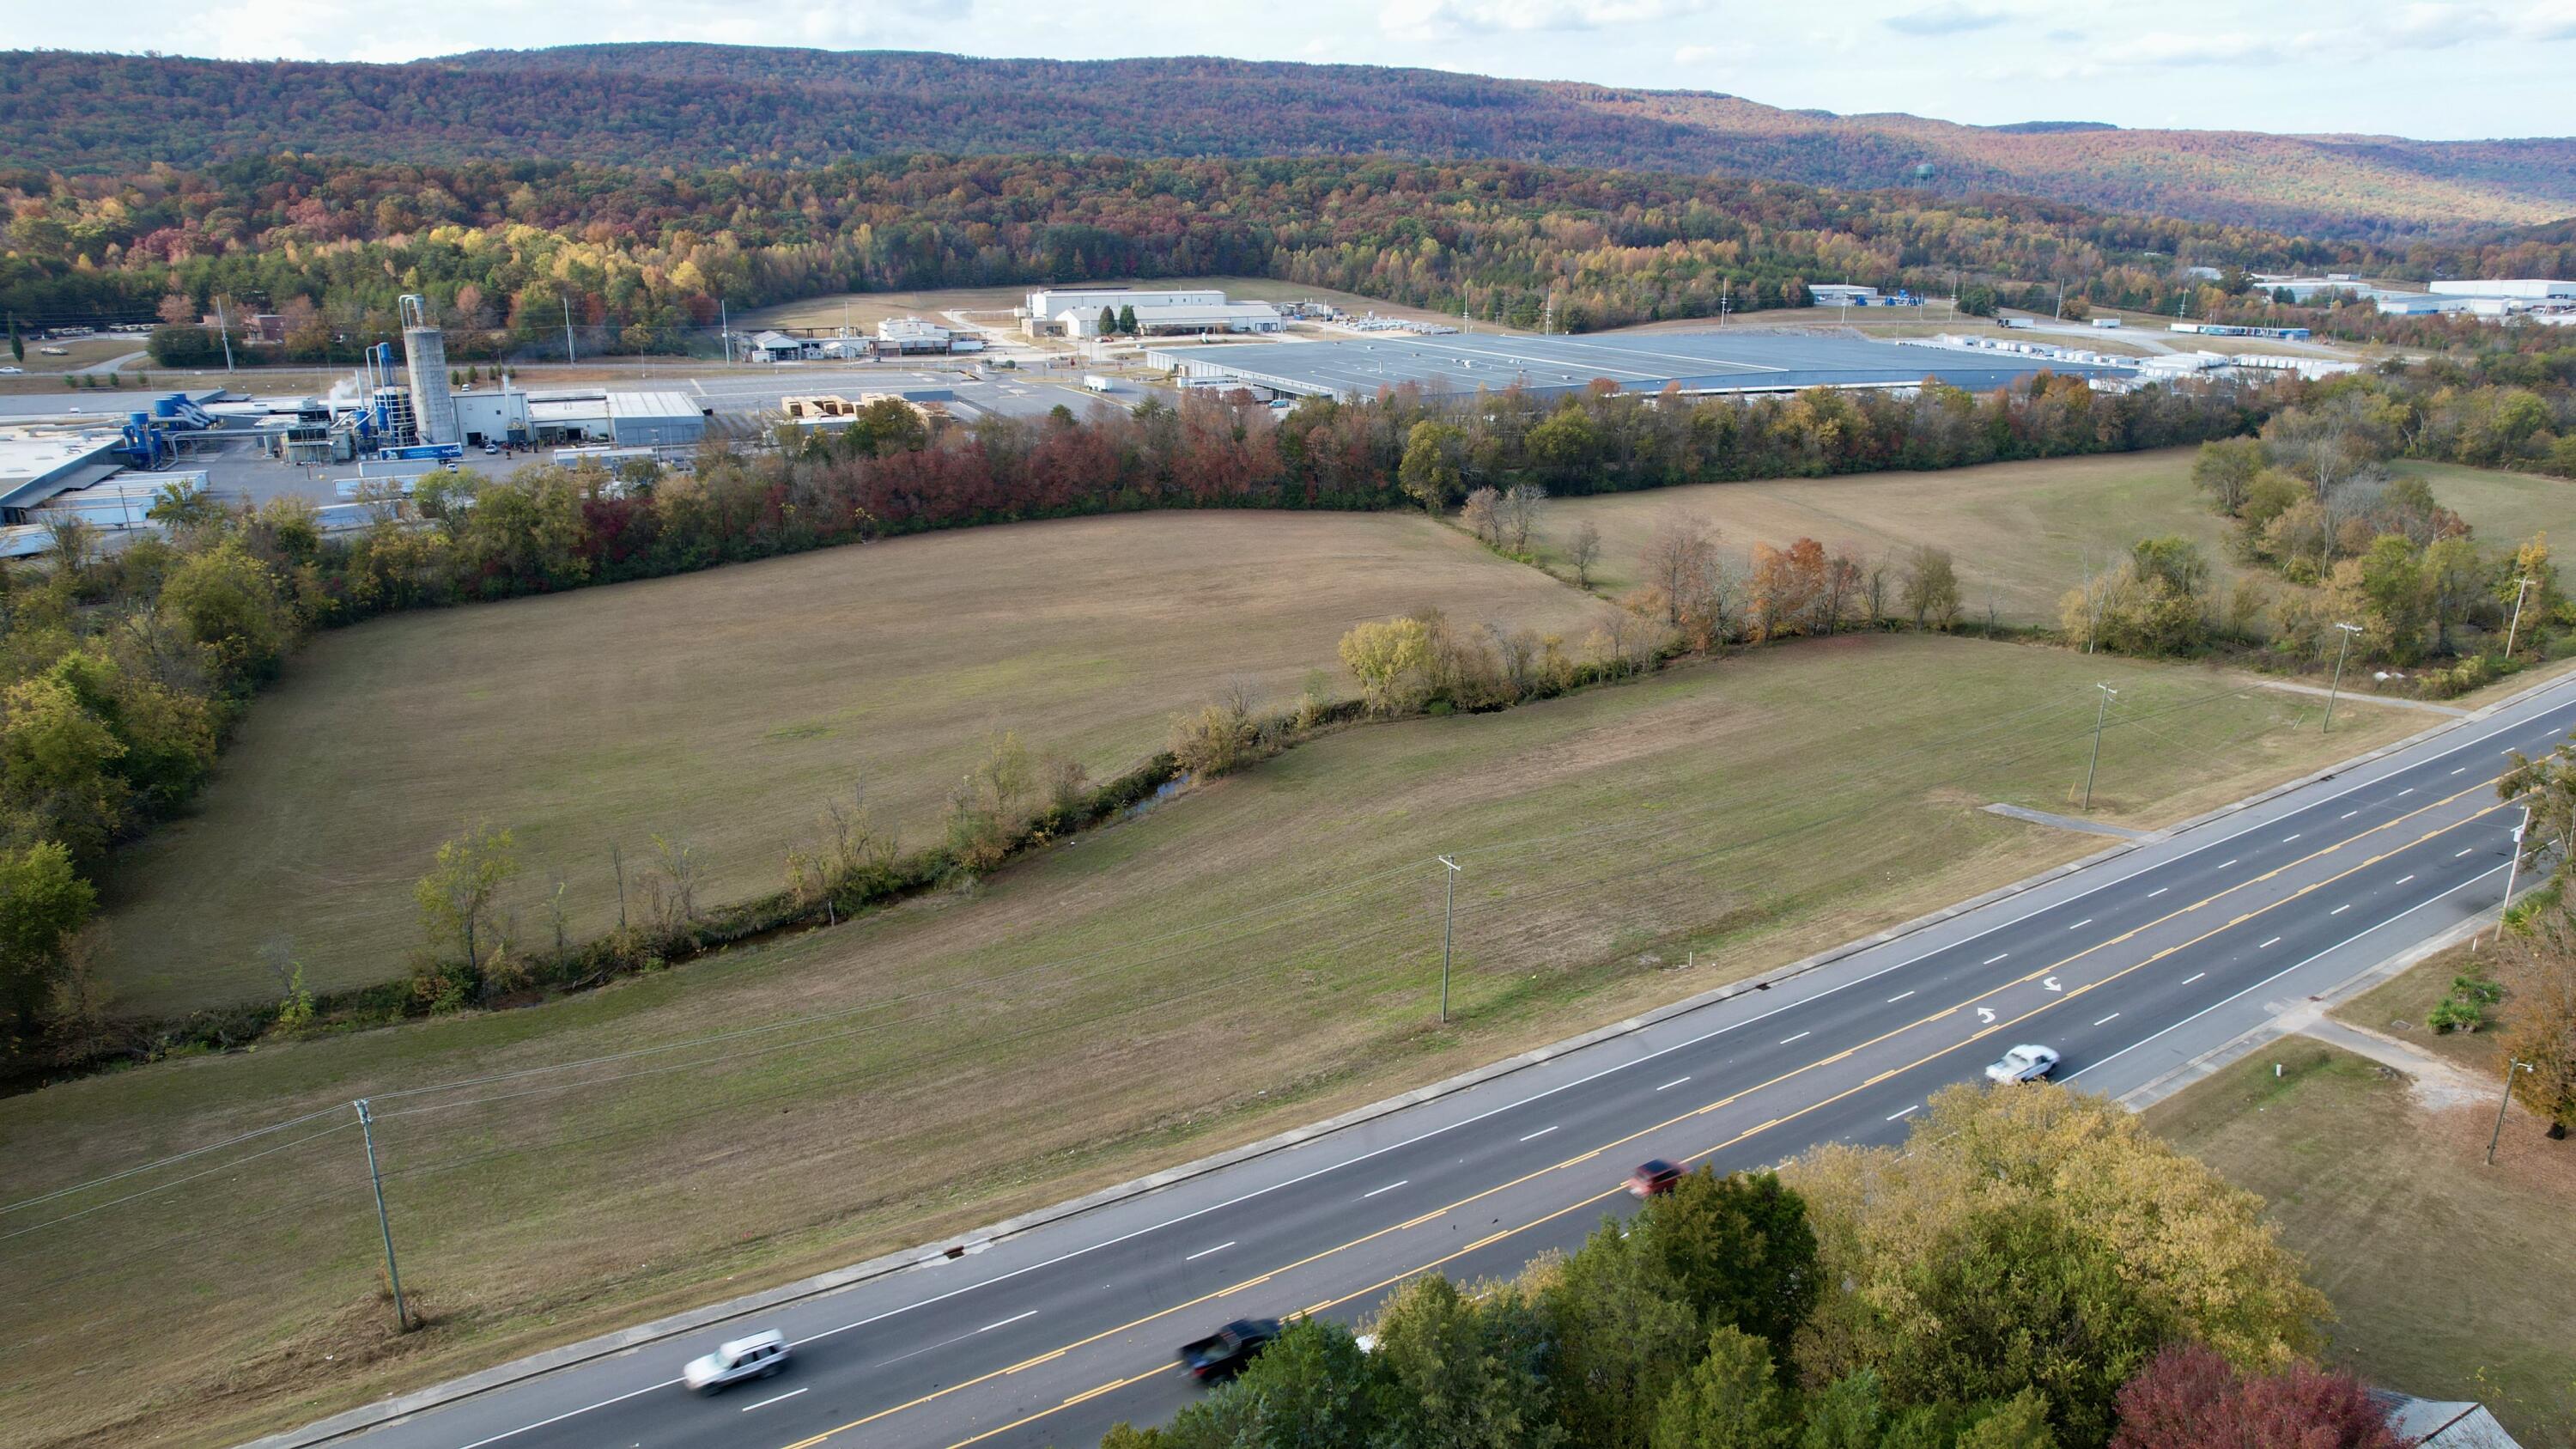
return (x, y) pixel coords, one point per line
(690, 104)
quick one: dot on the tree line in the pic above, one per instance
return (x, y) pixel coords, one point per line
(2030, 1270)
(2317, 508)
(508, 253)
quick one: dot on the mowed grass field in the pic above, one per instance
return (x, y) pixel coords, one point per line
(2451, 1279)
(724, 708)
(2020, 534)
(1261, 951)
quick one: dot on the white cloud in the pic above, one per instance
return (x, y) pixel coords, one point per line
(1435, 20)
(1948, 19)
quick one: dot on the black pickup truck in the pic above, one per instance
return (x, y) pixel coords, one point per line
(1222, 1354)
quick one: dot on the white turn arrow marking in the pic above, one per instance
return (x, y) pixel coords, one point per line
(2051, 984)
(1986, 1014)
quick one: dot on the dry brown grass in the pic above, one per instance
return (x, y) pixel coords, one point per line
(725, 707)
(2450, 1279)
(2020, 533)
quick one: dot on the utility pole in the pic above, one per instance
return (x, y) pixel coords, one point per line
(2511, 1066)
(2348, 631)
(225, 326)
(567, 311)
(1448, 920)
(724, 322)
(2512, 874)
(2520, 586)
(2104, 708)
(366, 1125)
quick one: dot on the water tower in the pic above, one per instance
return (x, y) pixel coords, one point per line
(433, 408)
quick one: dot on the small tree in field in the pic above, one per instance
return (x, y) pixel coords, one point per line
(456, 896)
(1931, 589)
(1583, 551)
(1388, 659)
(1482, 514)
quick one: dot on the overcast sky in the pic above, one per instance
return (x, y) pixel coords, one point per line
(2433, 68)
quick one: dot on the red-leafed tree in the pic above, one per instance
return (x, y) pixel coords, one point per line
(2190, 1397)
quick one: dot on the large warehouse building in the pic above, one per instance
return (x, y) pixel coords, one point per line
(1713, 361)
(1075, 312)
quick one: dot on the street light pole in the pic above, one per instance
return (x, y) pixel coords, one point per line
(2502, 1102)
(2519, 586)
(2108, 694)
(2512, 874)
(384, 1225)
(2348, 631)
(1448, 920)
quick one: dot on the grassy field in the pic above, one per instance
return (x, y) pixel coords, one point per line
(2020, 533)
(1053, 1025)
(2451, 1279)
(726, 707)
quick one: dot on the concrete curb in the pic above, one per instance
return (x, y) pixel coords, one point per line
(370, 1415)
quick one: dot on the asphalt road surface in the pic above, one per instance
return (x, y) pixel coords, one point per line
(2129, 968)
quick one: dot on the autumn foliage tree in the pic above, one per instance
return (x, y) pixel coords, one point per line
(2191, 1397)
(2037, 1238)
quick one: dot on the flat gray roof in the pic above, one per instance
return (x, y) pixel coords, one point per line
(1715, 360)
(89, 406)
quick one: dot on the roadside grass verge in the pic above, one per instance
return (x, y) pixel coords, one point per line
(725, 708)
(2399, 1007)
(2451, 1279)
(1260, 951)
(2020, 533)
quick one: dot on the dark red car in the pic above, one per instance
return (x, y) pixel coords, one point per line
(1653, 1177)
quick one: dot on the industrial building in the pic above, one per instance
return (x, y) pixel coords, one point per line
(904, 336)
(2528, 289)
(1710, 362)
(1075, 312)
(621, 419)
(36, 464)
(1838, 294)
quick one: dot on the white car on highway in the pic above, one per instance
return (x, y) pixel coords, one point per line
(2023, 1064)
(756, 1357)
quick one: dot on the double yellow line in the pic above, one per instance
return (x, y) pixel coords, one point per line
(1740, 1137)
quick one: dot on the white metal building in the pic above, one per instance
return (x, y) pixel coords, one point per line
(2419, 304)
(2529, 289)
(498, 416)
(911, 334)
(627, 419)
(1182, 318)
(1075, 311)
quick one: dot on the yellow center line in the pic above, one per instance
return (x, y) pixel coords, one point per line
(989, 1376)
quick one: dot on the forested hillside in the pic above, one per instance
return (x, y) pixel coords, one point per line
(697, 105)
(500, 247)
